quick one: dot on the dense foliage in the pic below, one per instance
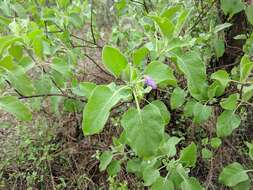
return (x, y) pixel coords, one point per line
(162, 64)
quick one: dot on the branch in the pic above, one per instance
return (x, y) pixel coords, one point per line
(50, 95)
(91, 23)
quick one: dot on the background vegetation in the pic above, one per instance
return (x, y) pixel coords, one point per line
(126, 94)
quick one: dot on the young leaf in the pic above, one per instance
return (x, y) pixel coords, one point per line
(188, 156)
(221, 76)
(215, 89)
(250, 147)
(246, 65)
(221, 27)
(226, 123)
(177, 98)
(144, 130)
(14, 106)
(114, 60)
(114, 168)
(169, 147)
(161, 73)
(97, 110)
(206, 153)
(230, 103)
(216, 142)
(165, 25)
(105, 159)
(233, 174)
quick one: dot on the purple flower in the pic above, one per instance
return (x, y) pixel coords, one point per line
(150, 82)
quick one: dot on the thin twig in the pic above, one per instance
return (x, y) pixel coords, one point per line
(91, 23)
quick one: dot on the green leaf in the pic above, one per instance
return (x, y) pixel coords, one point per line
(163, 110)
(6, 41)
(87, 88)
(249, 13)
(233, 174)
(188, 156)
(215, 89)
(216, 142)
(144, 130)
(226, 123)
(165, 25)
(14, 106)
(189, 108)
(97, 110)
(170, 13)
(16, 51)
(250, 147)
(139, 55)
(114, 60)
(38, 46)
(161, 73)
(150, 175)
(169, 146)
(177, 98)
(247, 93)
(206, 153)
(105, 159)
(182, 18)
(246, 66)
(232, 7)
(221, 76)
(162, 184)
(230, 103)
(245, 185)
(201, 113)
(134, 165)
(191, 184)
(194, 70)
(219, 48)
(114, 168)
(60, 65)
(221, 27)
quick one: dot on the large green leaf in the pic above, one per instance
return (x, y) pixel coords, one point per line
(194, 70)
(246, 65)
(226, 123)
(233, 174)
(114, 60)
(97, 110)
(232, 7)
(144, 130)
(161, 73)
(14, 106)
